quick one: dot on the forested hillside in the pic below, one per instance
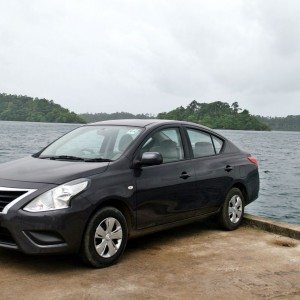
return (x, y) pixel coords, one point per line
(289, 123)
(88, 117)
(217, 114)
(23, 108)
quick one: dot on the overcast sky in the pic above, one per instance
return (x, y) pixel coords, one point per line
(152, 56)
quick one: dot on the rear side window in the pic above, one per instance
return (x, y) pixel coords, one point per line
(201, 143)
(218, 144)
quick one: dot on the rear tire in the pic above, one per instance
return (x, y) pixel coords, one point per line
(232, 211)
(105, 238)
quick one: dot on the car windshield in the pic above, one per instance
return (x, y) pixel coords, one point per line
(92, 143)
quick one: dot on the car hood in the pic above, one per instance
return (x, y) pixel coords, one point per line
(49, 171)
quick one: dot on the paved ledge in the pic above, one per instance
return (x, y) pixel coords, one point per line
(281, 228)
(198, 261)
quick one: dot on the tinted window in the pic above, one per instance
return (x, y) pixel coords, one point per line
(218, 144)
(167, 142)
(201, 143)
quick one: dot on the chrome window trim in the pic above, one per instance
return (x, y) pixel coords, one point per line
(6, 189)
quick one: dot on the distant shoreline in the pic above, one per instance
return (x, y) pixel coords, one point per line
(42, 122)
(217, 114)
(81, 124)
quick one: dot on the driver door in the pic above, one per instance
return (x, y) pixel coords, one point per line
(165, 193)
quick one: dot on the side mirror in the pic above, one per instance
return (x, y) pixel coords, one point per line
(149, 159)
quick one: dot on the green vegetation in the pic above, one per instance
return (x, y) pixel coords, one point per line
(289, 123)
(23, 108)
(217, 114)
(114, 116)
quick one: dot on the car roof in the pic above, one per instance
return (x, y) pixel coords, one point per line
(154, 123)
(145, 123)
(127, 122)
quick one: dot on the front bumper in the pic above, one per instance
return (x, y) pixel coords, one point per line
(38, 233)
(58, 231)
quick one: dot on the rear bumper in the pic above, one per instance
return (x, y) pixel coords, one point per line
(253, 185)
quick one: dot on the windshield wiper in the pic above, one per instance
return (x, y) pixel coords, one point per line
(97, 159)
(68, 157)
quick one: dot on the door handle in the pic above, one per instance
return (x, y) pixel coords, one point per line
(228, 168)
(185, 175)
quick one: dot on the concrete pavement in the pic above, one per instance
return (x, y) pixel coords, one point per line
(190, 262)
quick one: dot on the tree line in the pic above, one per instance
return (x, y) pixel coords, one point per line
(90, 117)
(218, 114)
(289, 123)
(24, 108)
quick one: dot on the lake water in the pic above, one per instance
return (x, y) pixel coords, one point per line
(278, 154)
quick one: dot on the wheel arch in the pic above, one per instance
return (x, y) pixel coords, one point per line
(122, 206)
(242, 187)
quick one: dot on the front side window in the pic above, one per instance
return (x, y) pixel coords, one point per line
(93, 142)
(167, 142)
(201, 143)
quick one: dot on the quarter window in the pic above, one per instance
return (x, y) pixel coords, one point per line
(167, 142)
(201, 143)
(218, 144)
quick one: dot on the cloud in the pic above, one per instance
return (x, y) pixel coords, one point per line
(152, 56)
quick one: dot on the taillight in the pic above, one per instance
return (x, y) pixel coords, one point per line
(253, 159)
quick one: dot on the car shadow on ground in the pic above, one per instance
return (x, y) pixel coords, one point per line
(45, 264)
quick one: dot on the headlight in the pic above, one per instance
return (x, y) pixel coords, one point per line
(57, 198)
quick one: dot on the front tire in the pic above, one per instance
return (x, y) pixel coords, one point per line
(232, 211)
(105, 238)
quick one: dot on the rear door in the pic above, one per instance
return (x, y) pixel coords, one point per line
(212, 175)
(165, 193)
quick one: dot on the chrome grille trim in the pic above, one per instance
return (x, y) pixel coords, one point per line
(12, 203)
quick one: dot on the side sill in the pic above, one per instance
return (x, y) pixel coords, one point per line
(137, 233)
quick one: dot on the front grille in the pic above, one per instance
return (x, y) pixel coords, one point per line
(7, 196)
(6, 237)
